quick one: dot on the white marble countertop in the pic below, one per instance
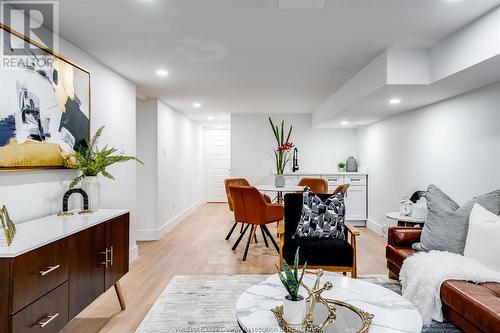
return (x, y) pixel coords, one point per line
(403, 218)
(273, 188)
(39, 232)
(392, 313)
(324, 173)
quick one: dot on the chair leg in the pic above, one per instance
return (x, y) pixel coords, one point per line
(271, 237)
(250, 237)
(242, 225)
(231, 231)
(264, 236)
(354, 272)
(241, 236)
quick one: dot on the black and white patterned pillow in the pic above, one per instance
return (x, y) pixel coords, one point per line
(321, 219)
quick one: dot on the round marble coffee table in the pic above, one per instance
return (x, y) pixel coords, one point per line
(392, 312)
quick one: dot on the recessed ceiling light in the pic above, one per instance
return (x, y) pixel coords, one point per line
(196, 105)
(345, 122)
(394, 101)
(210, 118)
(162, 72)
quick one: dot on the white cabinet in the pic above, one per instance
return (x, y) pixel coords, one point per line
(355, 203)
(356, 199)
(355, 180)
(291, 180)
(334, 181)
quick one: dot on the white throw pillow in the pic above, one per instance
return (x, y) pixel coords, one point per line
(483, 237)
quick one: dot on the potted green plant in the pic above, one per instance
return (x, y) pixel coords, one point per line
(92, 162)
(294, 304)
(282, 153)
(341, 166)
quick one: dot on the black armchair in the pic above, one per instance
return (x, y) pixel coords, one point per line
(329, 254)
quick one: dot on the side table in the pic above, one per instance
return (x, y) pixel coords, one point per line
(406, 221)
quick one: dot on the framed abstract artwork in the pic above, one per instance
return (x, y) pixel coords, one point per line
(44, 110)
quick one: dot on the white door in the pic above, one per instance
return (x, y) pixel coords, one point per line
(218, 155)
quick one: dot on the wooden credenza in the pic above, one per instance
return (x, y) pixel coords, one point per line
(57, 266)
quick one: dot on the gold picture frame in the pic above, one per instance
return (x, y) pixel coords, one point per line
(54, 161)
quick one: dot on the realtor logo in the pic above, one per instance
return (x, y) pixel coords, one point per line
(37, 20)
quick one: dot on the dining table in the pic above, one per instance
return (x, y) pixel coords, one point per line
(279, 190)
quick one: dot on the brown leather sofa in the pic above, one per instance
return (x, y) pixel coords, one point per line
(474, 308)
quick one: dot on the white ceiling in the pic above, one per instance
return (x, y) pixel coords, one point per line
(238, 56)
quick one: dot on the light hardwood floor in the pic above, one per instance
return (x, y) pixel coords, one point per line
(195, 247)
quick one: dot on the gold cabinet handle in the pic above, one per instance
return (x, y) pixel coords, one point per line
(49, 269)
(46, 320)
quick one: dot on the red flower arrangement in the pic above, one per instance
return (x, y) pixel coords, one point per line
(282, 153)
(285, 147)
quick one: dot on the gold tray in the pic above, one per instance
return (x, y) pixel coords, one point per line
(348, 319)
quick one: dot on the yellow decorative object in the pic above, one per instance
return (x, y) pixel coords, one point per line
(31, 154)
(64, 89)
(8, 226)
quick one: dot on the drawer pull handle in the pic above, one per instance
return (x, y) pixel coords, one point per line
(111, 255)
(106, 261)
(45, 321)
(49, 270)
(108, 257)
(355, 179)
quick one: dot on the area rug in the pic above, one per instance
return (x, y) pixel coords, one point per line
(206, 303)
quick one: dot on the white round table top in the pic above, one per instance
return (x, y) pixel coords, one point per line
(398, 217)
(392, 312)
(273, 188)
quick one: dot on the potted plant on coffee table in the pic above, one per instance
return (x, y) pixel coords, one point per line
(294, 304)
(92, 162)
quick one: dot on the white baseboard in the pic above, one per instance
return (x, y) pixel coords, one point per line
(168, 226)
(133, 253)
(156, 234)
(356, 223)
(375, 227)
(147, 234)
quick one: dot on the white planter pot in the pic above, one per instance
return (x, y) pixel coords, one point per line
(279, 181)
(294, 312)
(92, 187)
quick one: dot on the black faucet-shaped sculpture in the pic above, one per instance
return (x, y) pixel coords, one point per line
(66, 198)
(295, 166)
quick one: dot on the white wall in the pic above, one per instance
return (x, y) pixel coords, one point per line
(472, 44)
(454, 144)
(147, 176)
(34, 194)
(178, 185)
(252, 143)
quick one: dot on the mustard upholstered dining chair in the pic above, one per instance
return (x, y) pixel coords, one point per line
(251, 208)
(342, 189)
(237, 182)
(233, 182)
(317, 185)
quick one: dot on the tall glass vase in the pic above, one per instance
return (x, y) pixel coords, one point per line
(279, 180)
(92, 186)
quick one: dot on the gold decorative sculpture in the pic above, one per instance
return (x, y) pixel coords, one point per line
(8, 226)
(331, 305)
